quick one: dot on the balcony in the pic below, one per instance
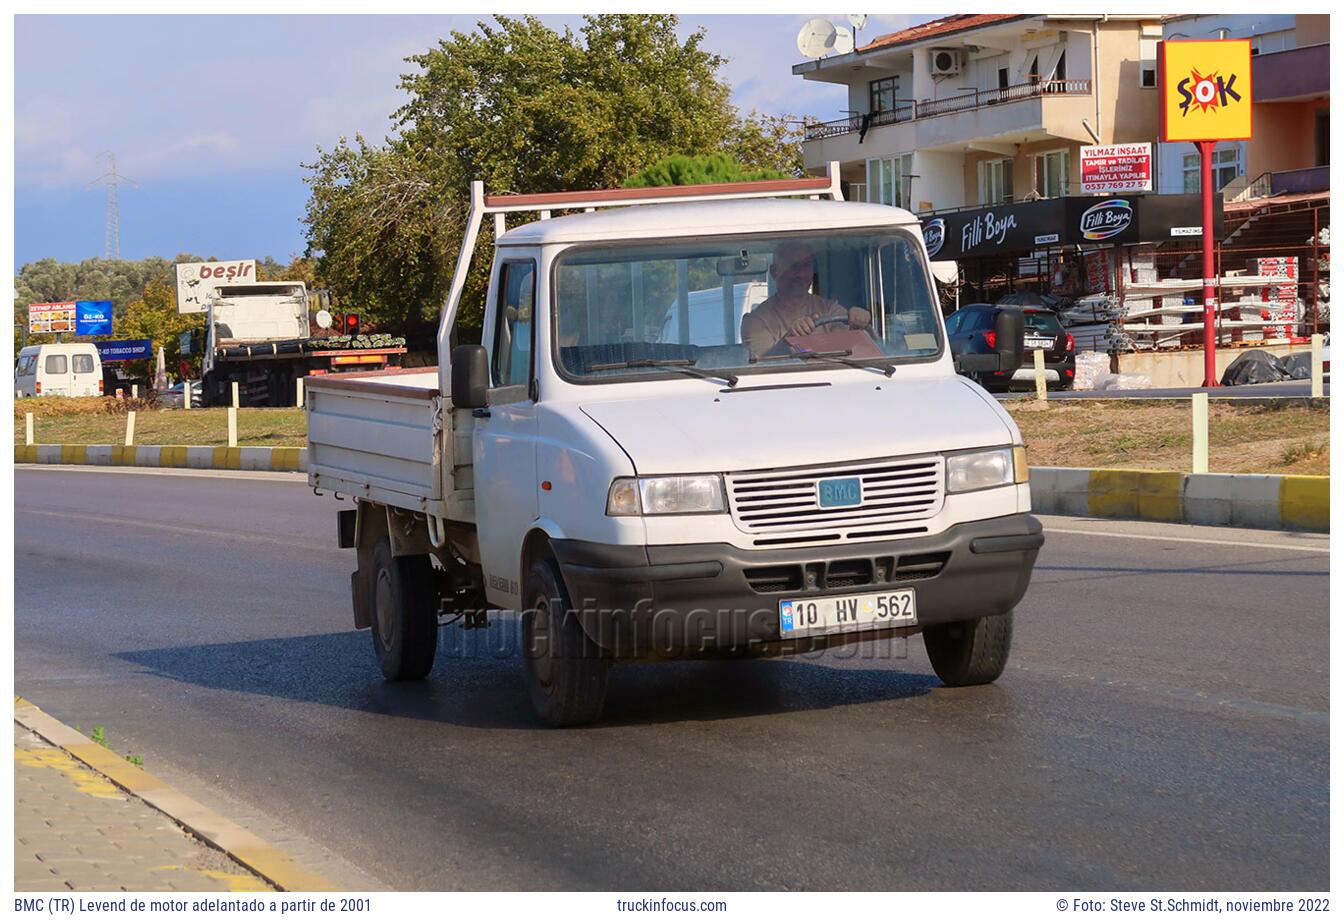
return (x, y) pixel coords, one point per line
(912, 110)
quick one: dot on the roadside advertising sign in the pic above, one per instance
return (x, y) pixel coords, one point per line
(125, 350)
(51, 317)
(93, 317)
(1206, 90)
(197, 280)
(1206, 98)
(1117, 168)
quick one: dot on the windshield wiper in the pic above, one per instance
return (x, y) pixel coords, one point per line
(676, 365)
(835, 357)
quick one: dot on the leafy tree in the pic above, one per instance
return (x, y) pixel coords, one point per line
(684, 170)
(522, 108)
(154, 316)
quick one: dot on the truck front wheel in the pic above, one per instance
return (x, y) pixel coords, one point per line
(566, 671)
(970, 652)
(405, 621)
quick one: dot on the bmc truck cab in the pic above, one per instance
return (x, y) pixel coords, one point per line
(639, 483)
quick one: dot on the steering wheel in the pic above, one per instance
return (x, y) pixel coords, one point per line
(831, 321)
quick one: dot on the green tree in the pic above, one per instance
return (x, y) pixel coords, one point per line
(523, 108)
(684, 170)
(154, 316)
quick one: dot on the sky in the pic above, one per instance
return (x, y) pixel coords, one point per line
(211, 117)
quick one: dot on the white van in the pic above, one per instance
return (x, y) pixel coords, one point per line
(68, 369)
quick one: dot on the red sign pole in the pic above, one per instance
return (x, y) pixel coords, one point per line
(1206, 190)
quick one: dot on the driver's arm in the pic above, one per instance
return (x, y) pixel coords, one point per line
(761, 331)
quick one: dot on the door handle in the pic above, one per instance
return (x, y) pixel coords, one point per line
(480, 413)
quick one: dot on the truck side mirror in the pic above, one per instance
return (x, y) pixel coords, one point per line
(1009, 329)
(470, 377)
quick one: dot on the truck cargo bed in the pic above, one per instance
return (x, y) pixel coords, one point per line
(381, 436)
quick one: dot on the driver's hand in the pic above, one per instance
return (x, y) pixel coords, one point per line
(859, 318)
(805, 326)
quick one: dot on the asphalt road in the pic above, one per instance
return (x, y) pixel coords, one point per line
(1163, 723)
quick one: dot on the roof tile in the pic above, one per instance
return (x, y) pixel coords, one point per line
(947, 24)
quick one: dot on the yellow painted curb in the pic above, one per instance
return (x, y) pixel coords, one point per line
(25, 453)
(226, 458)
(1304, 502)
(285, 458)
(74, 453)
(175, 455)
(1148, 495)
(241, 845)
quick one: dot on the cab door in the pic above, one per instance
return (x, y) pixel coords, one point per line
(504, 442)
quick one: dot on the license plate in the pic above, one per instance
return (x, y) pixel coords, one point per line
(839, 493)
(847, 613)
(1040, 343)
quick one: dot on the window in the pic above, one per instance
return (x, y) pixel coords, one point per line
(1052, 174)
(27, 366)
(513, 325)
(889, 181)
(56, 364)
(1148, 62)
(882, 94)
(1003, 78)
(996, 181)
(83, 364)
(1226, 167)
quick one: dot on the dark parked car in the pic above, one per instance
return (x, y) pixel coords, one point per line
(970, 331)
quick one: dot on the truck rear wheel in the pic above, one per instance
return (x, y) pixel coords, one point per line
(566, 670)
(970, 652)
(405, 621)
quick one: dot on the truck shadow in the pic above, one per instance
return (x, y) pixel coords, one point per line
(477, 681)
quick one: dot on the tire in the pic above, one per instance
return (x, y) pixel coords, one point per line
(405, 622)
(971, 652)
(566, 671)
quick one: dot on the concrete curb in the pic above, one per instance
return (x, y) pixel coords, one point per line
(241, 845)
(1266, 502)
(274, 459)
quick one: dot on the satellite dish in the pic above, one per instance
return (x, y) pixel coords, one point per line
(857, 20)
(323, 319)
(816, 37)
(844, 40)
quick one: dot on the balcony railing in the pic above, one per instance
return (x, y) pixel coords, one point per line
(910, 109)
(1284, 182)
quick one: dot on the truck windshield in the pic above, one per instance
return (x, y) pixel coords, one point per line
(745, 304)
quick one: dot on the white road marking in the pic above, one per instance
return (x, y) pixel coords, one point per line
(1136, 536)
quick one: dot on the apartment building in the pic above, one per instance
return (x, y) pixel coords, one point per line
(983, 109)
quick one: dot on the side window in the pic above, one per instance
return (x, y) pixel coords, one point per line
(56, 364)
(512, 359)
(27, 365)
(83, 364)
(954, 322)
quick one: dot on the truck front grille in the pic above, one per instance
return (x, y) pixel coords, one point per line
(786, 500)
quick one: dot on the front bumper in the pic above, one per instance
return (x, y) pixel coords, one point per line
(715, 598)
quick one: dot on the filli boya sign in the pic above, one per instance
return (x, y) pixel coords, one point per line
(1206, 90)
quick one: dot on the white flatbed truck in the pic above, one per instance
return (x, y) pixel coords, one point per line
(636, 494)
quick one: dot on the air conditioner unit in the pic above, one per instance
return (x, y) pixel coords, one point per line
(944, 62)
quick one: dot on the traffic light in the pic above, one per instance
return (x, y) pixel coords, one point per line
(350, 324)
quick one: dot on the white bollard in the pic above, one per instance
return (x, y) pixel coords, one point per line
(233, 425)
(186, 393)
(235, 394)
(135, 391)
(130, 428)
(298, 392)
(1317, 366)
(28, 428)
(1038, 359)
(1199, 421)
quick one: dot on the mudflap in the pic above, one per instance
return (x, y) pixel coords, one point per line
(359, 599)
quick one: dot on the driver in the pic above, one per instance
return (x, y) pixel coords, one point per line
(793, 309)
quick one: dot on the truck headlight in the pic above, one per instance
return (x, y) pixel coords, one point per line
(665, 495)
(983, 469)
